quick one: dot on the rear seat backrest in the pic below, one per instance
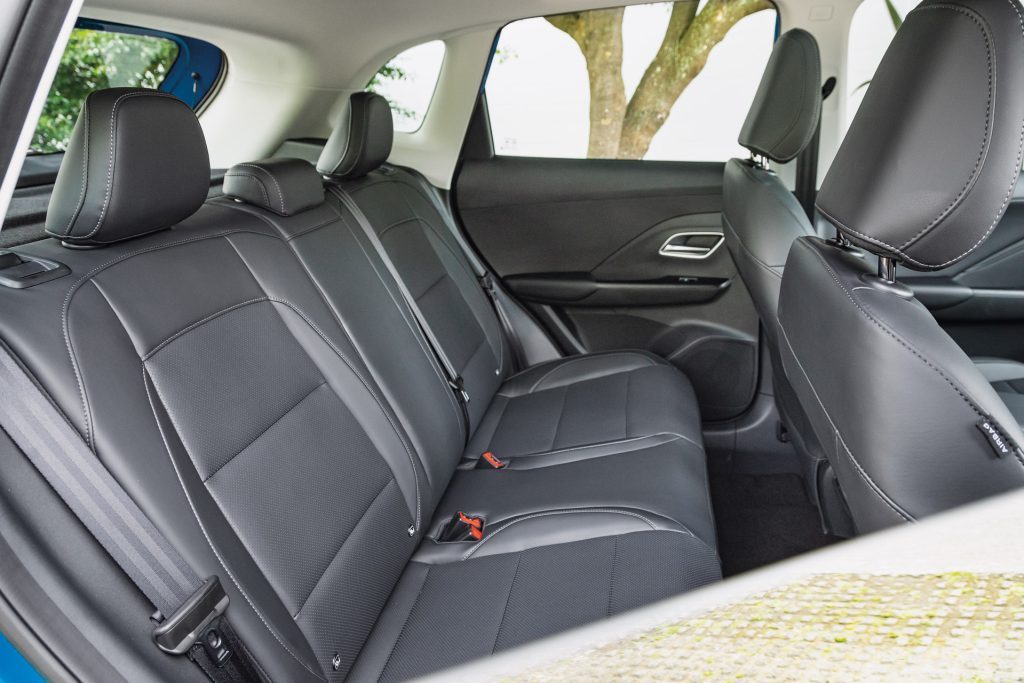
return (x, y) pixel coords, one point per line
(336, 255)
(420, 244)
(256, 382)
(205, 355)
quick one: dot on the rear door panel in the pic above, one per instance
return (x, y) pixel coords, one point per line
(578, 241)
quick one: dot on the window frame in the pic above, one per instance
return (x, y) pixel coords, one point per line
(481, 117)
(195, 57)
(433, 90)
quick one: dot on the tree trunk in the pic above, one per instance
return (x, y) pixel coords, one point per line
(683, 53)
(599, 36)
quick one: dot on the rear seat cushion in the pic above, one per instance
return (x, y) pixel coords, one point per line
(660, 474)
(1007, 378)
(213, 370)
(580, 403)
(523, 595)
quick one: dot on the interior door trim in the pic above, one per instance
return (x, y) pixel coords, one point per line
(671, 250)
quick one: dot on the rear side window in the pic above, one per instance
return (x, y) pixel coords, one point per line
(108, 56)
(408, 81)
(668, 81)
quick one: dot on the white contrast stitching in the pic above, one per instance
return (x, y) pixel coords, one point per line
(110, 152)
(277, 185)
(469, 553)
(1013, 178)
(202, 527)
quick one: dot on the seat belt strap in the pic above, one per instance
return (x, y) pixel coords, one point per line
(455, 381)
(483, 276)
(190, 608)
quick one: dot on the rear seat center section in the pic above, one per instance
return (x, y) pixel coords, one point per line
(253, 374)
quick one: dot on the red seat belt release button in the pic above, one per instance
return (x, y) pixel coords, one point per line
(475, 524)
(492, 460)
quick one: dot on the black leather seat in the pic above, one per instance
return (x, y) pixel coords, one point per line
(910, 424)
(582, 405)
(249, 372)
(762, 218)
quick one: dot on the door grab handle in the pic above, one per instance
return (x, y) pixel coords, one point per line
(692, 245)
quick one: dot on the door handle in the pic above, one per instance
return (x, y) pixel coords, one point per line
(692, 245)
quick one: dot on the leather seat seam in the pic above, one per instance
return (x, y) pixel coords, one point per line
(867, 314)
(405, 623)
(613, 442)
(85, 171)
(341, 546)
(256, 438)
(508, 600)
(273, 178)
(209, 541)
(1009, 193)
(86, 410)
(561, 364)
(986, 137)
(871, 484)
(366, 385)
(249, 176)
(188, 328)
(316, 284)
(567, 511)
(110, 162)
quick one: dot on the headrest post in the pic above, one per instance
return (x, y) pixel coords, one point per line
(760, 161)
(887, 269)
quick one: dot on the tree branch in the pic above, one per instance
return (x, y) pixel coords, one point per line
(683, 53)
(599, 36)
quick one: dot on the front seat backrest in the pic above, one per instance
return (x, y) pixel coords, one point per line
(923, 176)
(761, 217)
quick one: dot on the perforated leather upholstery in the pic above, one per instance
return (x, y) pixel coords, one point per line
(254, 379)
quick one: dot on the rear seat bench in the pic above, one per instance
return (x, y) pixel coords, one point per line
(580, 401)
(255, 380)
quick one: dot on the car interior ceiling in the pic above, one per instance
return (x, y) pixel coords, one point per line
(408, 427)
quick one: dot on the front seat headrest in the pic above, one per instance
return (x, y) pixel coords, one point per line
(786, 109)
(136, 163)
(284, 186)
(932, 157)
(361, 140)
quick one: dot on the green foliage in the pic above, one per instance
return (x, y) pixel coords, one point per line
(894, 15)
(389, 73)
(94, 60)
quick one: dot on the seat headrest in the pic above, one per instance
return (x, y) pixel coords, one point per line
(786, 109)
(283, 186)
(361, 139)
(136, 163)
(930, 162)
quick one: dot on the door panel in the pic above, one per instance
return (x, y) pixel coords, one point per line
(582, 243)
(980, 300)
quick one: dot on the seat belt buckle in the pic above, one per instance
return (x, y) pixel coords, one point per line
(462, 527)
(487, 284)
(179, 632)
(490, 460)
(458, 385)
